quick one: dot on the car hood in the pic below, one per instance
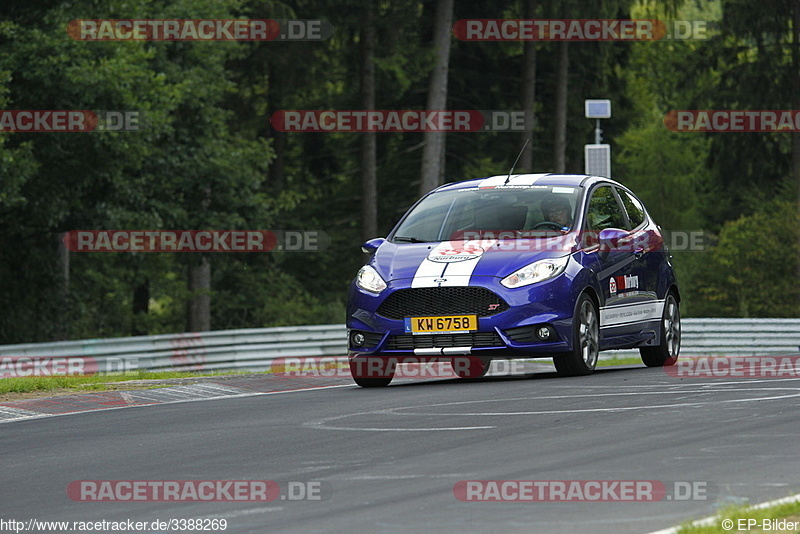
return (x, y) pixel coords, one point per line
(454, 263)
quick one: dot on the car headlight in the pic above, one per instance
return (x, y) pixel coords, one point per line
(368, 279)
(536, 272)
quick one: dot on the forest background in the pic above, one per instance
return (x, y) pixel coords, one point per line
(209, 159)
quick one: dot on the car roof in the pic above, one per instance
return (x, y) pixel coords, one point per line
(574, 180)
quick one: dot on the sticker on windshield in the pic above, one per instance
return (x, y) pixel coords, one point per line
(512, 186)
(567, 190)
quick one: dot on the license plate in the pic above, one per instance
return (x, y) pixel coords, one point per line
(441, 324)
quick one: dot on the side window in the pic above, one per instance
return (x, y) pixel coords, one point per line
(633, 207)
(604, 211)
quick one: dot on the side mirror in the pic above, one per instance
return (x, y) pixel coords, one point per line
(609, 240)
(372, 245)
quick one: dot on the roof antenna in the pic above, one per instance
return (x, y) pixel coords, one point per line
(516, 160)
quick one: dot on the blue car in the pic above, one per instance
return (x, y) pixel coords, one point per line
(522, 266)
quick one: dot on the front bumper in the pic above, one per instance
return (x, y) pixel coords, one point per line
(511, 333)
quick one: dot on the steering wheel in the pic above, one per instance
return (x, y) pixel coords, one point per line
(548, 224)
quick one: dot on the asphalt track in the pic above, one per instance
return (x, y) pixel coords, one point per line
(387, 460)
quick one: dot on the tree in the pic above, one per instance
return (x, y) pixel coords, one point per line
(562, 95)
(369, 147)
(742, 278)
(188, 169)
(433, 152)
(528, 93)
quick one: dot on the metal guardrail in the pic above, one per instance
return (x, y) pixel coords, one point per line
(733, 337)
(741, 337)
(257, 348)
(247, 349)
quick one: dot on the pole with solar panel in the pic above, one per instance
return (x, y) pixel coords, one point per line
(597, 156)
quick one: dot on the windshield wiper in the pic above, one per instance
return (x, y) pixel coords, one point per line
(405, 239)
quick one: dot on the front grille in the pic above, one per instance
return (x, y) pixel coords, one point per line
(428, 341)
(426, 301)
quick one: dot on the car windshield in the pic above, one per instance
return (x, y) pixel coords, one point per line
(507, 212)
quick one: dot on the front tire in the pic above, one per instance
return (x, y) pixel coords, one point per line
(667, 352)
(585, 341)
(470, 367)
(372, 372)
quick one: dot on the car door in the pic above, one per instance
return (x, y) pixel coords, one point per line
(615, 266)
(646, 244)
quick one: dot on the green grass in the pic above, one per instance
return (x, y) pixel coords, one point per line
(99, 381)
(789, 511)
(630, 360)
(27, 384)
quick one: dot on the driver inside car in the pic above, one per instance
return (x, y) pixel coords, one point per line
(556, 208)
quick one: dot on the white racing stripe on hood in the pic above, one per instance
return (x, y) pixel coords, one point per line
(450, 273)
(516, 179)
(428, 270)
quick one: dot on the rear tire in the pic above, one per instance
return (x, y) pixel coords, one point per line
(372, 372)
(667, 352)
(470, 366)
(585, 341)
